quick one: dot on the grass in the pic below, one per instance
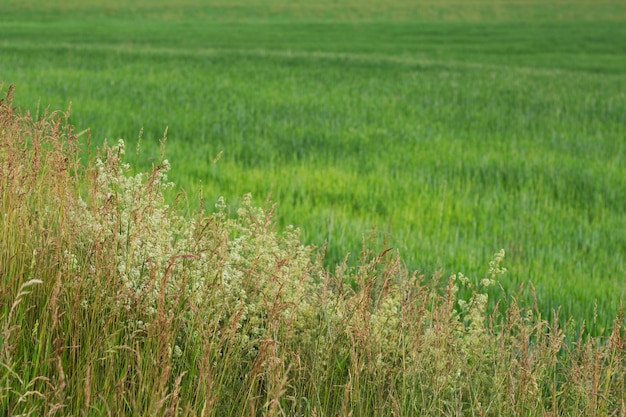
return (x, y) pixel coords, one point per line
(350, 10)
(116, 303)
(454, 130)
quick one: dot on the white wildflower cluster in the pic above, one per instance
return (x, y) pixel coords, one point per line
(474, 309)
(242, 276)
(266, 277)
(495, 269)
(127, 217)
(454, 340)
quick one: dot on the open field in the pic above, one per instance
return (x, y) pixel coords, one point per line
(327, 10)
(455, 130)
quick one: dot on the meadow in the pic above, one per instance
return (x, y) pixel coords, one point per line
(454, 131)
(443, 131)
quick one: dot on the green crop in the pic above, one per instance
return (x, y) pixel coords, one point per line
(453, 130)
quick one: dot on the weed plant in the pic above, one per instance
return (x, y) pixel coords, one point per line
(114, 303)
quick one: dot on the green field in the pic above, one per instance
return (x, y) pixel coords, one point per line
(455, 129)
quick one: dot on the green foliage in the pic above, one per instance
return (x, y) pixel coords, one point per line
(453, 129)
(115, 303)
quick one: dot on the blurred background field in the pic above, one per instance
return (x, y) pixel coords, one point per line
(453, 128)
(333, 10)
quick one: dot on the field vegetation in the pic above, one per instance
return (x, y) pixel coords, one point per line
(442, 131)
(113, 303)
(455, 130)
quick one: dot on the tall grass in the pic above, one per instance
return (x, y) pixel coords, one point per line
(115, 303)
